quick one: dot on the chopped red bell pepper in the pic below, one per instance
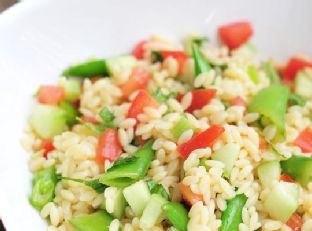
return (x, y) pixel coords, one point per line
(286, 178)
(139, 50)
(138, 79)
(202, 140)
(143, 99)
(293, 66)
(295, 222)
(47, 146)
(189, 197)
(238, 101)
(235, 34)
(108, 147)
(262, 143)
(49, 94)
(179, 56)
(304, 140)
(200, 98)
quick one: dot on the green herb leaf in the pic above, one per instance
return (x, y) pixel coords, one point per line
(156, 57)
(94, 184)
(157, 189)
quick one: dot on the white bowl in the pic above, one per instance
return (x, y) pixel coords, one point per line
(39, 38)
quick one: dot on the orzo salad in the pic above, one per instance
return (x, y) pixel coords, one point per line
(176, 137)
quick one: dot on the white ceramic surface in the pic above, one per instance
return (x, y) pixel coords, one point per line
(39, 38)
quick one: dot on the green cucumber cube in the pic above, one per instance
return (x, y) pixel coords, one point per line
(47, 121)
(227, 155)
(269, 172)
(137, 195)
(116, 64)
(303, 84)
(71, 89)
(152, 212)
(282, 201)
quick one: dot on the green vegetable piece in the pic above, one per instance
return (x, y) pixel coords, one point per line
(201, 65)
(117, 63)
(72, 89)
(282, 201)
(137, 195)
(130, 170)
(87, 69)
(269, 172)
(156, 57)
(161, 97)
(297, 99)
(253, 74)
(271, 73)
(98, 221)
(47, 121)
(177, 215)
(193, 38)
(107, 116)
(271, 102)
(303, 84)
(181, 126)
(232, 216)
(227, 155)
(119, 202)
(94, 184)
(153, 212)
(43, 187)
(71, 113)
(157, 189)
(299, 168)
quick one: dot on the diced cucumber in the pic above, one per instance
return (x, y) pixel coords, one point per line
(47, 121)
(71, 89)
(298, 167)
(118, 63)
(137, 195)
(119, 203)
(227, 155)
(152, 212)
(303, 84)
(71, 113)
(269, 172)
(181, 126)
(98, 221)
(282, 201)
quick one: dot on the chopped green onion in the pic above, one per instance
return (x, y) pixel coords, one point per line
(98, 221)
(177, 215)
(129, 170)
(271, 102)
(43, 187)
